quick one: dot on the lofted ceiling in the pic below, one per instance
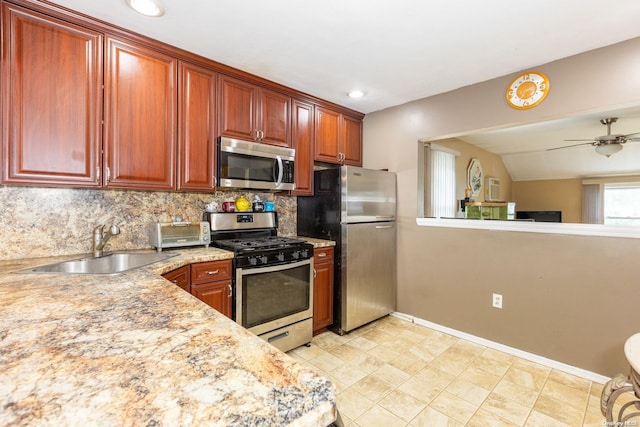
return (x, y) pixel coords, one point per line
(396, 52)
(524, 148)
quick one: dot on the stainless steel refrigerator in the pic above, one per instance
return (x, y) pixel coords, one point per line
(356, 208)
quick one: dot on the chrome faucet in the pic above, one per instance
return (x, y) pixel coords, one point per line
(101, 237)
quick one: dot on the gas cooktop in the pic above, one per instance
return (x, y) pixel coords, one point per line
(253, 244)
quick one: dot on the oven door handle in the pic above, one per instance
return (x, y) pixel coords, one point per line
(272, 268)
(280, 170)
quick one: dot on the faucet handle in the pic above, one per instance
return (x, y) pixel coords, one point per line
(114, 230)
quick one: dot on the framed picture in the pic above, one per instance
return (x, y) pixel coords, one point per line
(475, 177)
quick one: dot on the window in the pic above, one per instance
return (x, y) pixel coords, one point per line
(439, 184)
(622, 204)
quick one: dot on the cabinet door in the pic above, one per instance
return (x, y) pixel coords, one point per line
(327, 131)
(302, 141)
(238, 109)
(274, 118)
(51, 100)
(351, 141)
(196, 128)
(323, 288)
(140, 117)
(218, 295)
(180, 277)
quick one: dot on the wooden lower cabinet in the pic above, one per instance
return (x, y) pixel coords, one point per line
(210, 282)
(180, 277)
(322, 288)
(218, 295)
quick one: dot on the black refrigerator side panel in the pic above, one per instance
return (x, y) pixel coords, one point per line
(319, 217)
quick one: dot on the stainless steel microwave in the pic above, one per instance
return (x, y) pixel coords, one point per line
(251, 165)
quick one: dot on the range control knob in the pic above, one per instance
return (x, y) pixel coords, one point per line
(295, 254)
(253, 260)
(263, 259)
(280, 256)
(305, 253)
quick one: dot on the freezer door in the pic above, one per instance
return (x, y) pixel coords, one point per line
(367, 195)
(368, 285)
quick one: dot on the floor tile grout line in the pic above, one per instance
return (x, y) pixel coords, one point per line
(332, 344)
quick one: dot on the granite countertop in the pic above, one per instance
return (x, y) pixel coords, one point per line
(134, 349)
(317, 243)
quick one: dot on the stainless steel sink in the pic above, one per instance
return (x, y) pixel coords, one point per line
(113, 263)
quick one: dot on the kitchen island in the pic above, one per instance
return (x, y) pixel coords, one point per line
(134, 349)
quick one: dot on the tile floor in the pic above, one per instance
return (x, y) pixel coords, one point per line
(396, 373)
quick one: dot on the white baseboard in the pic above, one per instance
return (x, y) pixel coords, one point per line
(583, 373)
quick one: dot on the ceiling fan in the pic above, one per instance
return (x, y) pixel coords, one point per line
(607, 144)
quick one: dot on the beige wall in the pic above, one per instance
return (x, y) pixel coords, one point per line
(492, 167)
(550, 195)
(569, 298)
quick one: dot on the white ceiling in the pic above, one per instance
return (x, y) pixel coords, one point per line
(399, 51)
(394, 51)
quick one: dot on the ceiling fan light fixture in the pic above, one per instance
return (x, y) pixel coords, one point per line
(608, 149)
(356, 94)
(150, 8)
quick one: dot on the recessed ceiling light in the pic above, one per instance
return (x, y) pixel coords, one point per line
(146, 7)
(356, 94)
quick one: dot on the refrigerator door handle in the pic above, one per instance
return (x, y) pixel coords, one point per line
(384, 226)
(384, 217)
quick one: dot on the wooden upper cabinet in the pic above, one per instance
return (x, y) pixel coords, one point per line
(327, 148)
(302, 135)
(351, 141)
(196, 128)
(274, 115)
(51, 100)
(338, 138)
(238, 108)
(252, 113)
(140, 117)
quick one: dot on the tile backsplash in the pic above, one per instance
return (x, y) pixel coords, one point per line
(40, 222)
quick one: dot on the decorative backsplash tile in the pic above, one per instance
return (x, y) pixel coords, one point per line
(39, 222)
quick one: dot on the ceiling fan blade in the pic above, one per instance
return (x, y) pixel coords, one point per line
(567, 146)
(631, 134)
(569, 140)
(633, 139)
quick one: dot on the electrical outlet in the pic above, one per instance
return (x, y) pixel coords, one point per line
(497, 301)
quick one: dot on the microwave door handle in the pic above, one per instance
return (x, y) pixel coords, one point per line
(280, 171)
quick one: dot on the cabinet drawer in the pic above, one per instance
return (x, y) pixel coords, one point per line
(204, 272)
(322, 255)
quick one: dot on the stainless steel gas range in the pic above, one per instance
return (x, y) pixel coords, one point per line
(273, 277)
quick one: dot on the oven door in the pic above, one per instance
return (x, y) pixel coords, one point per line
(270, 297)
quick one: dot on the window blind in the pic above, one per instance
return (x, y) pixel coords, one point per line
(440, 187)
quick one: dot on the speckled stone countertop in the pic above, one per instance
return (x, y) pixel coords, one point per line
(134, 349)
(317, 243)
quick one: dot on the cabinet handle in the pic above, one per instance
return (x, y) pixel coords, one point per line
(97, 173)
(108, 171)
(230, 291)
(214, 180)
(175, 282)
(322, 254)
(261, 135)
(314, 273)
(257, 137)
(212, 273)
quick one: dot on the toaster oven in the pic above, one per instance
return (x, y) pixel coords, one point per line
(164, 235)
